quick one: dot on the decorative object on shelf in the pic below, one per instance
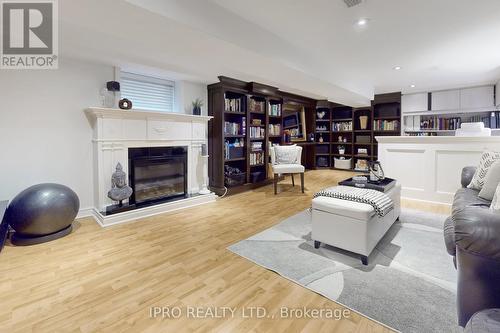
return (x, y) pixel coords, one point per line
(197, 104)
(343, 126)
(321, 138)
(42, 213)
(311, 137)
(345, 140)
(342, 163)
(362, 151)
(362, 165)
(119, 189)
(341, 150)
(340, 138)
(287, 138)
(233, 176)
(125, 104)
(376, 171)
(256, 122)
(320, 114)
(363, 122)
(110, 94)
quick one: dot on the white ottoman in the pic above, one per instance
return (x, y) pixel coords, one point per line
(352, 226)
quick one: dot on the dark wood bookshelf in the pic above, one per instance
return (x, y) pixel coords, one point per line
(384, 107)
(255, 101)
(316, 154)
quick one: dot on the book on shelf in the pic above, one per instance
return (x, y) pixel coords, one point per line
(385, 125)
(232, 128)
(257, 132)
(256, 106)
(233, 104)
(275, 110)
(342, 126)
(256, 146)
(257, 158)
(440, 123)
(490, 121)
(274, 129)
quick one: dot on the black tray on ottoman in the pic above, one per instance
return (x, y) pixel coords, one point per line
(381, 185)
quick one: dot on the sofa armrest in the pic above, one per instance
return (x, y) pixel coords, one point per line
(477, 231)
(467, 174)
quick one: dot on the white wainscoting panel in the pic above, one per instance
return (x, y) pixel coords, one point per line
(429, 168)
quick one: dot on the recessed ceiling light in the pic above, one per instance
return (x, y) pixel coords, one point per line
(362, 22)
(396, 68)
(412, 86)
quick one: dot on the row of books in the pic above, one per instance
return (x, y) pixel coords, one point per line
(233, 104)
(256, 106)
(491, 121)
(386, 125)
(342, 126)
(257, 132)
(256, 146)
(275, 129)
(438, 123)
(257, 158)
(231, 128)
(274, 109)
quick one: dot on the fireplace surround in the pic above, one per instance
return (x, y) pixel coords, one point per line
(154, 148)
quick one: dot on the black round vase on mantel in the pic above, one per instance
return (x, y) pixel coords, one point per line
(197, 111)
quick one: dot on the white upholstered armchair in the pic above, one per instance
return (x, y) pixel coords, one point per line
(286, 160)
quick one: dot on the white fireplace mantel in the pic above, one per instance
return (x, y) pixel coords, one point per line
(115, 131)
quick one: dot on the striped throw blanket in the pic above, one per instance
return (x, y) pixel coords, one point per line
(378, 200)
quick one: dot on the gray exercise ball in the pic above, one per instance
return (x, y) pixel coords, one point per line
(41, 210)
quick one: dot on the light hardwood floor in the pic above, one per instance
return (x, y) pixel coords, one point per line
(106, 280)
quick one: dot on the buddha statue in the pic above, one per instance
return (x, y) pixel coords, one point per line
(119, 189)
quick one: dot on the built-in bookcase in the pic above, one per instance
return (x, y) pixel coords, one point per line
(345, 136)
(247, 121)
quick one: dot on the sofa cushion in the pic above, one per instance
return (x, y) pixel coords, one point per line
(495, 203)
(449, 236)
(486, 161)
(491, 182)
(467, 197)
(485, 321)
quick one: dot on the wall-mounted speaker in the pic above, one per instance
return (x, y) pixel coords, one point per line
(113, 85)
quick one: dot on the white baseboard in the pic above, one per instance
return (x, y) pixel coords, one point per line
(85, 212)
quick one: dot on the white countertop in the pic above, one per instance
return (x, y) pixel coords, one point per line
(437, 139)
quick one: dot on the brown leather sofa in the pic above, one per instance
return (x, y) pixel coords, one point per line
(472, 237)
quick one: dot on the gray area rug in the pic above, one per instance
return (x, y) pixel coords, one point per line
(409, 285)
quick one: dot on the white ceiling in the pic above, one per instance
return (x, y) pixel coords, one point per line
(311, 47)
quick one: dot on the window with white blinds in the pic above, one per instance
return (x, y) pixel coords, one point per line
(147, 92)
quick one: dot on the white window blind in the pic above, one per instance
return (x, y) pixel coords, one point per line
(147, 92)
